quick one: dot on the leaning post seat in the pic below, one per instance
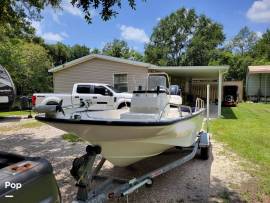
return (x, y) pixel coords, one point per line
(147, 104)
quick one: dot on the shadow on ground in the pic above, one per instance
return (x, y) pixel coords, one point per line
(228, 113)
(9, 119)
(187, 183)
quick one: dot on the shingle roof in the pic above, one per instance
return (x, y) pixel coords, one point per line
(99, 56)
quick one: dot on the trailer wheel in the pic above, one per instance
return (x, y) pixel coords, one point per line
(204, 155)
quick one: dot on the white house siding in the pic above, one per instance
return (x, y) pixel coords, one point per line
(253, 84)
(98, 71)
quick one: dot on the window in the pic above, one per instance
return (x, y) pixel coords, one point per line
(84, 89)
(102, 90)
(120, 82)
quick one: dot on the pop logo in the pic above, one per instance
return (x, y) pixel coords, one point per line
(13, 185)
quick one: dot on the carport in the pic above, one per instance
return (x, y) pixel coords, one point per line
(188, 73)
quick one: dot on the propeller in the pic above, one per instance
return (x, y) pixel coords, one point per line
(59, 107)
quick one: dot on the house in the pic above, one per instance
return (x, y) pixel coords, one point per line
(127, 75)
(258, 83)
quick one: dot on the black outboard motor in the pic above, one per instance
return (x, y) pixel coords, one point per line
(27, 179)
(7, 90)
(175, 90)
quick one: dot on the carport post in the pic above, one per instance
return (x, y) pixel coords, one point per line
(207, 104)
(219, 92)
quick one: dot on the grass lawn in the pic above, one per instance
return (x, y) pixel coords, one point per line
(14, 113)
(71, 137)
(246, 130)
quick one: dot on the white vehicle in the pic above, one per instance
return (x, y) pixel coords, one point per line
(99, 96)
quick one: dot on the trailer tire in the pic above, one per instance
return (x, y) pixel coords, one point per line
(204, 154)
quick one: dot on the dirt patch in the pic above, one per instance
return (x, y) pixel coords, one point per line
(219, 179)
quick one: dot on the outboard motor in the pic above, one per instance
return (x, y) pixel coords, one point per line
(175, 90)
(50, 107)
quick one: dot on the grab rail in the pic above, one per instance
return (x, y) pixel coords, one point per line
(199, 103)
(163, 110)
(189, 108)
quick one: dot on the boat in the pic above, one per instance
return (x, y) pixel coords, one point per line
(149, 127)
(7, 90)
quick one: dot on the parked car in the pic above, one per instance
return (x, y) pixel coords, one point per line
(229, 101)
(102, 97)
(7, 90)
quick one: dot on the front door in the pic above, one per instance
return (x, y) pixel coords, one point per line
(102, 98)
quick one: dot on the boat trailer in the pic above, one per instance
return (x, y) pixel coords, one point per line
(85, 173)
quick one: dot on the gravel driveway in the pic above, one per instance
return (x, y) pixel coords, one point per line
(218, 179)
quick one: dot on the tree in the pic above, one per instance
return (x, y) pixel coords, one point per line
(183, 38)
(107, 7)
(28, 64)
(244, 41)
(19, 13)
(59, 52)
(95, 51)
(207, 36)
(116, 48)
(78, 51)
(136, 56)
(261, 50)
(238, 64)
(120, 49)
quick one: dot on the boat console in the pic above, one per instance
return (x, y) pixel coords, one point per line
(150, 103)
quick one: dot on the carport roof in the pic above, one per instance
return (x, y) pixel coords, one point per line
(192, 71)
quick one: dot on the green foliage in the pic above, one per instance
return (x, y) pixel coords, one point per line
(238, 63)
(62, 53)
(71, 137)
(28, 64)
(120, 49)
(244, 129)
(16, 14)
(14, 113)
(183, 38)
(261, 50)
(117, 48)
(238, 67)
(19, 13)
(78, 51)
(243, 42)
(206, 38)
(107, 7)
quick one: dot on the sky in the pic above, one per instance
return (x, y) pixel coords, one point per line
(68, 25)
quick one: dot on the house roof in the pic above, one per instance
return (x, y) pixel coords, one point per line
(192, 71)
(179, 71)
(99, 56)
(259, 69)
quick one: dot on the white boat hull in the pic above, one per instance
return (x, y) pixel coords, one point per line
(126, 144)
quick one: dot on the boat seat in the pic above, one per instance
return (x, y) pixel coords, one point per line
(148, 103)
